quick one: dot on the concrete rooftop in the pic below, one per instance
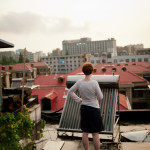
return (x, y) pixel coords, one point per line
(52, 141)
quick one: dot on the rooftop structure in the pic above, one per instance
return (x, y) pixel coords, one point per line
(5, 44)
(132, 82)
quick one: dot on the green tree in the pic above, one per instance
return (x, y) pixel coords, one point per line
(12, 61)
(4, 60)
(20, 58)
(27, 60)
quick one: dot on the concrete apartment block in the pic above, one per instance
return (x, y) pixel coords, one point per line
(85, 46)
(65, 64)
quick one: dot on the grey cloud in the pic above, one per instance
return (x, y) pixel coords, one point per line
(28, 22)
(20, 22)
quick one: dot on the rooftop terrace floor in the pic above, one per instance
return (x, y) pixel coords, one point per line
(72, 143)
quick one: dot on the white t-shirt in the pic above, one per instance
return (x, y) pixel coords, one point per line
(89, 90)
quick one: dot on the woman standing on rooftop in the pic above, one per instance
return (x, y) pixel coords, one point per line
(91, 121)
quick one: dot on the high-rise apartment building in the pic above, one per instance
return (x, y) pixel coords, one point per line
(38, 55)
(56, 52)
(86, 46)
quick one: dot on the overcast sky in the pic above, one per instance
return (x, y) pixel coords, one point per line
(42, 25)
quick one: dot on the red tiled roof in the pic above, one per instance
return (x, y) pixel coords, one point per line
(126, 77)
(55, 94)
(49, 80)
(51, 95)
(76, 71)
(17, 67)
(123, 102)
(38, 64)
(20, 66)
(1, 68)
(135, 68)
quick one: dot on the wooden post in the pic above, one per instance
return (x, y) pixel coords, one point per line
(22, 102)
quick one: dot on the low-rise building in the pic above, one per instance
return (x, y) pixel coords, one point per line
(133, 58)
(65, 64)
(133, 80)
(32, 70)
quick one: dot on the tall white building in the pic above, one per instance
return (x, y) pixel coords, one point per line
(38, 55)
(86, 46)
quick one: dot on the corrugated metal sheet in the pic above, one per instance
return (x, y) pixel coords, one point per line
(70, 119)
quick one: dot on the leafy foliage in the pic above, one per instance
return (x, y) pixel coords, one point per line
(10, 60)
(14, 127)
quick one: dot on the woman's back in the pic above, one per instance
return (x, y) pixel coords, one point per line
(90, 92)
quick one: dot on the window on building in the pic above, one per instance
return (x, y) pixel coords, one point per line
(139, 59)
(92, 61)
(97, 61)
(146, 59)
(139, 94)
(121, 60)
(115, 60)
(127, 60)
(108, 55)
(133, 60)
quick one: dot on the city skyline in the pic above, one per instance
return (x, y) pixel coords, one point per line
(43, 25)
